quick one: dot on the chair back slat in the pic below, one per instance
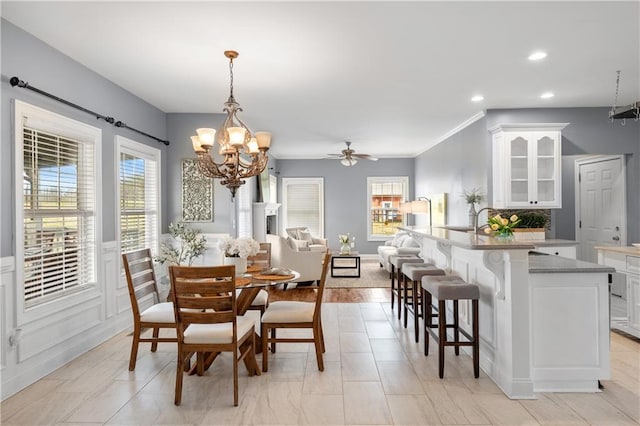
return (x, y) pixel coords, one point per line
(141, 278)
(208, 292)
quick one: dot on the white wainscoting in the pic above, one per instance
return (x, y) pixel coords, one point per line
(48, 343)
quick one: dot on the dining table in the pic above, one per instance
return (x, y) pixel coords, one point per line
(250, 284)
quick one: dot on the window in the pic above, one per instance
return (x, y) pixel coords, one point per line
(303, 204)
(138, 194)
(384, 196)
(245, 216)
(56, 160)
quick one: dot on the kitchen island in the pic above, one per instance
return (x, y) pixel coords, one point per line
(544, 320)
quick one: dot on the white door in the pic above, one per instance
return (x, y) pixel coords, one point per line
(601, 205)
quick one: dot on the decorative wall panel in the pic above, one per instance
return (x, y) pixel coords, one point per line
(197, 193)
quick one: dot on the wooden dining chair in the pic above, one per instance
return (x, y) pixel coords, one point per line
(204, 300)
(294, 314)
(263, 260)
(141, 280)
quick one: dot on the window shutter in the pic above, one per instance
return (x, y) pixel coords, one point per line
(139, 189)
(303, 204)
(59, 215)
(245, 225)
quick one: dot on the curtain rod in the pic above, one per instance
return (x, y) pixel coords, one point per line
(15, 81)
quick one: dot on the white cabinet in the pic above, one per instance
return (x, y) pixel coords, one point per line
(527, 165)
(626, 260)
(562, 251)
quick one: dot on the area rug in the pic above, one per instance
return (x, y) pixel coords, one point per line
(371, 275)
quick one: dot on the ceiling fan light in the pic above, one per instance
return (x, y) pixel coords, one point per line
(348, 162)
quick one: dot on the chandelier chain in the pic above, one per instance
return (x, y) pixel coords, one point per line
(231, 79)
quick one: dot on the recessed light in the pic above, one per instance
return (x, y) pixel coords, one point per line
(536, 56)
(547, 95)
(477, 98)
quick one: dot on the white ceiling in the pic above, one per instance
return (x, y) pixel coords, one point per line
(394, 78)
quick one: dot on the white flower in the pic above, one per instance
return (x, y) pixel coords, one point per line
(241, 247)
(344, 238)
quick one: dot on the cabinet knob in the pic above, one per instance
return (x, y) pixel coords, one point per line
(535, 202)
(530, 202)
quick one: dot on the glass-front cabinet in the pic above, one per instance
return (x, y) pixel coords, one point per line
(527, 166)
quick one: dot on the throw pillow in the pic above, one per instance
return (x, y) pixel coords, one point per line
(298, 245)
(397, 239)
(305, 236)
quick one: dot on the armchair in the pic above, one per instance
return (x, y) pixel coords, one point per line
(307, 263)
(302, 233)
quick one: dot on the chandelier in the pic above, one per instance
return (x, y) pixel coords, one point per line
(244, 154)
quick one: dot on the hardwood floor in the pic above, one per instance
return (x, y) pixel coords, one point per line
(374, 374)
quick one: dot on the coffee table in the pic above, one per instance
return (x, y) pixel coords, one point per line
(352, 262)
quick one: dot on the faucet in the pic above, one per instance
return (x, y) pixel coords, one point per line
(475, 221)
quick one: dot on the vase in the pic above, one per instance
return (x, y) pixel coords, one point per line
(345, 248)
(472, 215)
(505, 236)
(239, 262)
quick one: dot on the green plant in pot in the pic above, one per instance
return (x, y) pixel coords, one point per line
(532, 224)
(472, 196)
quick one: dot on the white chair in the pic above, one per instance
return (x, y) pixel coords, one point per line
(294, 314)
(302, 234)
(307, 263)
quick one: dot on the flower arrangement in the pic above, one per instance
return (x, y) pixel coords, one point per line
(239, 247)
(473, 196)
(192, 245)
(344, 238)
(500, 226)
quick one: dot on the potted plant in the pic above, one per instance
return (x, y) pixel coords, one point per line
(502, 227)
(531, 227)
(472, 197)
(192, 244)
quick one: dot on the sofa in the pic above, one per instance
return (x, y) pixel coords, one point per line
(402, 243)
(307, 263)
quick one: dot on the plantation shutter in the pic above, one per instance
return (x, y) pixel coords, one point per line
(245, 225)
(59, 215)
(139, 190)
(304, 204)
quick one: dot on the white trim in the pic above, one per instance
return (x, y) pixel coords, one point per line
(576, 170)
(469, 121)
(64, 126)
(7, 264)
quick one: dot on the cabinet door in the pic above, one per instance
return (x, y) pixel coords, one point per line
(544, 189)
(518, 169)
(633, 300)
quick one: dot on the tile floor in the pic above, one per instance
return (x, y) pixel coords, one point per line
(374, 374)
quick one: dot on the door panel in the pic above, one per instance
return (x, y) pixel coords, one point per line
(601, 206)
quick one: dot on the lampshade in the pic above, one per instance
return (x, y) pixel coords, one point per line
(419, 207)
(349, 162)
(405, 207)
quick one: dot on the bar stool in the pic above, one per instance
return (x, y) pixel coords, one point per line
(452, 288)
(414, 273)
(396, 262)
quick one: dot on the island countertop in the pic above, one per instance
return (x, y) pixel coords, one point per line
(630, 250)
(473, 241)
(548, 264)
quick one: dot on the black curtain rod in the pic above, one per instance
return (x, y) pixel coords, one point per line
(15, 81)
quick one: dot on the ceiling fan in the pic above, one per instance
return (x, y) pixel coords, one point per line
(348, 157)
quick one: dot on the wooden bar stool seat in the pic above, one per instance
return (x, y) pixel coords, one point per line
(452, 288)
(414, 272)
(396, 262)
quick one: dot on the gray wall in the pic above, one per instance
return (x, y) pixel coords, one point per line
(345, 193)
(461, 162)
(47, 69)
